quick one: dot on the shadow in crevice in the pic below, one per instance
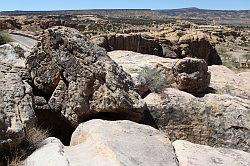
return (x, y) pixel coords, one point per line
(112, 116)
(208, 91)
(57, 126)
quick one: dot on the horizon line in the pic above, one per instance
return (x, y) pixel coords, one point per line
(17, 10)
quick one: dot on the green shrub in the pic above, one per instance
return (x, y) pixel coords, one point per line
(156, 80)
(4, 38)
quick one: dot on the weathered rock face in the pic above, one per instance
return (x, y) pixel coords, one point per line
(193, 154)
(78, 80)
(194, 44)
(130, 42)
(188, 44)
(9, 23)
(100, 143)
(191, 75)
(16, 106)
(215, 120)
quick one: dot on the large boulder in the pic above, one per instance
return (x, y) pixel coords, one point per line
(16, 97)
(191, 75)
(100, 143)
(79, 81)
(16, 106)
(194, 154)
(215, 119)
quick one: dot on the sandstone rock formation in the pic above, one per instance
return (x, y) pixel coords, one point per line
(9, 23)
(130, 42)
(191, 75)
(215, 119)
(197, 45)
(184, 116)
(16, 97)
(193, 154)
(99, 142)
(190, 43)
(79, 81)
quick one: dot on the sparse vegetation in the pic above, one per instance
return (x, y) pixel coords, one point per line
(154, 79)
(4, 38)
(31, 142)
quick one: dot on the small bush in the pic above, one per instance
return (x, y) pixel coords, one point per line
(155, 79)
(4, 38)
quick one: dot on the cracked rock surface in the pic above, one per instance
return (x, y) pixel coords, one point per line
(16, 99)
(79, 80)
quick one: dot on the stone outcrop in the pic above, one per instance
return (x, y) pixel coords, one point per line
(193, 154)
(191, 44)
(16, 97)
(79, 81)
(130, 42)
(99, 142)
(9, 23)
(197, 45)
(215, 119)
(191, 75)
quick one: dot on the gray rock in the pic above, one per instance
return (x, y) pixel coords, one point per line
(52, 152)
(79, 80)
(16, 107)
(194, 155)
(191, 75)
(99, 143)
(215, 120)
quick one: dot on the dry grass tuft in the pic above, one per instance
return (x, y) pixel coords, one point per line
(32, 141)
(35, 136)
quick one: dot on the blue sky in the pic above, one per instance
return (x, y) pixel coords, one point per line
(103, 4)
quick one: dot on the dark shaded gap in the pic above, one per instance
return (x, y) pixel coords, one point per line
(112, 116)
(57, 126)
(38, 92)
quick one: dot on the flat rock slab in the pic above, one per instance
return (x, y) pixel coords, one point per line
(190, 154)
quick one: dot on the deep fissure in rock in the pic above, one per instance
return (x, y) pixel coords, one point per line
(57, 126)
